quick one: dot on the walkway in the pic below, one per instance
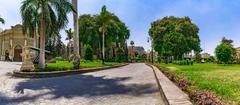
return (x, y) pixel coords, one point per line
(6, 67)
(130, 85)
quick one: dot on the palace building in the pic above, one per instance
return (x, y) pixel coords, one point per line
(12, 42)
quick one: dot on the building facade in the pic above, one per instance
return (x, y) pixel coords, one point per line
(12, 42)
(133, 51)
(236, 56)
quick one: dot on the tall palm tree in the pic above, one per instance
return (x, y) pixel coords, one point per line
(69, 33)
(69, 38)
(2, 20)
(105, 19)
(46, 17)
(76, 61)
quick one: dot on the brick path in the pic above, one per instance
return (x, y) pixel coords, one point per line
(130, 85)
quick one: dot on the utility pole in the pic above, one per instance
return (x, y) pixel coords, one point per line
(150, 41)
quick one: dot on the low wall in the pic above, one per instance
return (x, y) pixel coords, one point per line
(61, 73)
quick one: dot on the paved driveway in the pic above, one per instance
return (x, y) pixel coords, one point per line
(130, 85)
(6, 67)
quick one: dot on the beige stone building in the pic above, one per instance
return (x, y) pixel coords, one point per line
(12, 42)
(236, 58)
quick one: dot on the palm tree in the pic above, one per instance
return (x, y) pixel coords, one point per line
(46, 17)
(69, 38)
(2, 20)
(76, 61)
(105, 19)
(69, 34)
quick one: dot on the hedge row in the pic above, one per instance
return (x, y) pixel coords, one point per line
(183, 62)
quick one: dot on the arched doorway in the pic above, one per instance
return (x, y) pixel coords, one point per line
(17, 53)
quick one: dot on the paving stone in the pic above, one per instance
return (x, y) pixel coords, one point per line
(133, 84)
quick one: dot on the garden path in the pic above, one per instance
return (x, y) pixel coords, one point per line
(133, 84)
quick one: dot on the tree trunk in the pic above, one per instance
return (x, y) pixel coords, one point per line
(99, 50)
(103, 47)
(42, 40)
(76, 36)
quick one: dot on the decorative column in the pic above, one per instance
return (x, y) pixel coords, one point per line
(1, 54)
(3, 49)
(11, 52)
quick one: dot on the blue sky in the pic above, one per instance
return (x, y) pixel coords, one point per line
(215, 18)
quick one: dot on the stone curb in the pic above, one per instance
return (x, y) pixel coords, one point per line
(159, 86)
(20, 74)
(171, 94)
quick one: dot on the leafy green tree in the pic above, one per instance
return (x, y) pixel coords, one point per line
(120, 55)
(91, 29)
(2, 20)
(88, 33)
(230, 42)
(224, 53)
(112, 30)
(141, 57)
(173, 36)
(46, 17)
(88, 53)
(105, 19)
(198, 57)
(55, 46)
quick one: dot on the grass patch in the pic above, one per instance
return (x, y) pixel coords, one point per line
(65, 65)
(223, 80)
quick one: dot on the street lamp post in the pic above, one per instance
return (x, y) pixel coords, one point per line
(150, 39)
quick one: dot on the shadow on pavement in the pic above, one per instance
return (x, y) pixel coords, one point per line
(76, 86)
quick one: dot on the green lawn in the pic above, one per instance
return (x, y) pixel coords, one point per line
(65, 65)
(223, 80)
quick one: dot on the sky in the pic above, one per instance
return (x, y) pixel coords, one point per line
(215, 18)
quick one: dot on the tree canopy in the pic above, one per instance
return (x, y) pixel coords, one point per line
(92, 26)
(2, 20)
(44, 18)
(69, 33)
(224, 53)
(173, 36)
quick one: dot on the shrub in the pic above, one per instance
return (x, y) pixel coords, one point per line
(182, 83)
(59, 59)
(95, 57)
(224, 53)
(183, 62)
(203, 97)
(88, 53)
